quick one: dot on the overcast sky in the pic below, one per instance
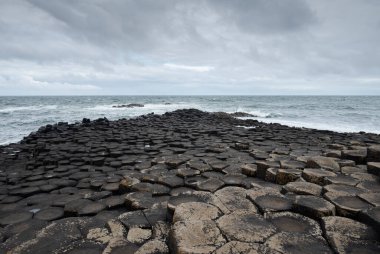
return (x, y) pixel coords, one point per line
(53, 47)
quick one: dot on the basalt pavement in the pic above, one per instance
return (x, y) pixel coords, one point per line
(189, 182)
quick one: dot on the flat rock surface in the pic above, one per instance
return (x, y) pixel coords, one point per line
(189, 182)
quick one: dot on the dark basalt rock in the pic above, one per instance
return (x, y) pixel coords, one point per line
(237, 190)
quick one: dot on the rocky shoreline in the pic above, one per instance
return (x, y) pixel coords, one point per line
(189, 182)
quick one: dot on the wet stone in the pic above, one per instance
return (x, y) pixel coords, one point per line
(113, 202)
(374, 168)
(374, 153)
(171, 181)
(371, 217)
(296, 243)
(233, 179)
(359, 156)
(245, 226)
(135, 219)
(349, 206)
(273, 203)
(48, 214)
(15, 217)
(341, 189)
(302, 188)
(211, 185)
(312, 206)
(341, 179)
(91, 208)
(294, 223)
(372, 198)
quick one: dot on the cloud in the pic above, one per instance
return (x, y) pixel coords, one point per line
(247, 47)
(188, 67)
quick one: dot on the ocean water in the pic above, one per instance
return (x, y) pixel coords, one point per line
(21, 115)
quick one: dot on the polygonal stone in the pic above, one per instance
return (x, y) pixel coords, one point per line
(235, 179)
(138, 235)
(273, 203)
(292, 164)
(195, 211)
(303, 188)
(234, 198)
(294, 223)
(316, 175)
(341, 189)
(374, 153)
(372, 198)
(296, 243)
(323, 162)
(91, 208)
(185, 198)
(134, 219)
(349, 206)
(195, 237)
(373, 168)
(245, 226)
(312, 206)
(370, 186)
(359, 155)
(341, 179)
(249, 169)
(153, 247)
(236, 247)
(15, 217)
(211, 185)
(271, 175)
(346, 235)
(285, 176)
(51, 213)
(171, 181)
(371, 217)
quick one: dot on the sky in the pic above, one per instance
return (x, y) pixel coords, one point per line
(197, 47)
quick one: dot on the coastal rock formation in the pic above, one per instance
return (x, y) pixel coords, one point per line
(189, 182)
(131, 105)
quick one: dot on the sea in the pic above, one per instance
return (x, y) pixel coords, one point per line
(19, 116)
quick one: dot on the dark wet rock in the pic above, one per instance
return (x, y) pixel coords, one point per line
(371, 217)
(371, 198)
(15, 217)
(135, 219)
(245, 226)
(131, 105)
(273, 203)
(373, 168)
(294, 243)
(91, 208)
(211, 185)
(314, 207)
(48, 214)
(359, 156)
(374, 153)
(241, 114)
(341, 179)
(349, 206)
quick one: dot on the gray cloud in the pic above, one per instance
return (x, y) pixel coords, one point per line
(200, 46)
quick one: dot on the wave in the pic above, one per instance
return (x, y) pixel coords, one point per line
(27, 108)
